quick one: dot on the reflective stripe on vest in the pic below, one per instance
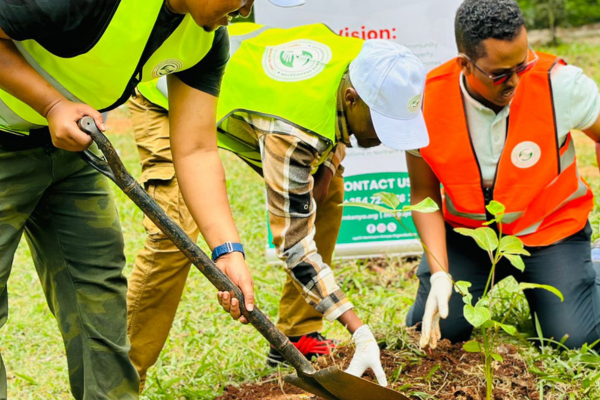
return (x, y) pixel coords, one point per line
(100, 76)
(545, 198)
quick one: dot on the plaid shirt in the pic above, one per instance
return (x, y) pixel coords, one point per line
(289, 156)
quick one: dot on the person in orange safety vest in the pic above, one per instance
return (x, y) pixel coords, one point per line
(500, 117)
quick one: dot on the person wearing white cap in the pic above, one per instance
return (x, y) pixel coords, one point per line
(290, 101)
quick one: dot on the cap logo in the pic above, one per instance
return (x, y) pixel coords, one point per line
(526, 154)
(167, 67)
(295, 61)
(414, 104)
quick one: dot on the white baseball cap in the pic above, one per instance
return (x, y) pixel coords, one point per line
(287, 3)
(390, 79)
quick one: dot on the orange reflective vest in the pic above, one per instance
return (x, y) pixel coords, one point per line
(546, 200)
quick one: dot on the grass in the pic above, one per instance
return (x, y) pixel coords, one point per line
(207, 351)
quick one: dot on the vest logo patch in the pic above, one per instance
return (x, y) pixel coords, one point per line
(526, 154)
(295, 61)
(167, 67)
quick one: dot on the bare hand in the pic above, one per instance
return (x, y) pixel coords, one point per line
(62, 120)
(234, 266)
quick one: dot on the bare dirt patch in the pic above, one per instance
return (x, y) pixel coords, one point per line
(446, 373)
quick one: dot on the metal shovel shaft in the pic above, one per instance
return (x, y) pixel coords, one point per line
(330, 383)
(114, 169)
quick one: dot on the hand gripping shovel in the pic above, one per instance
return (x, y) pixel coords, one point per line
(330, 383)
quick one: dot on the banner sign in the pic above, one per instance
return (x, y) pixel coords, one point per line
(427, 28)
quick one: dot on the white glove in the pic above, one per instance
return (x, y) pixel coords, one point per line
(435, 308)
(366, 355)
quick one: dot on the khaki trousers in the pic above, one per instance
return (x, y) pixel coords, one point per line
(160, 271)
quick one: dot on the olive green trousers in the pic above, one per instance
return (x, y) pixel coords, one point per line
(66, 212)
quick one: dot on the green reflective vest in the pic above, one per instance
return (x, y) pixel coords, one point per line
(100, 76)
(289, 74)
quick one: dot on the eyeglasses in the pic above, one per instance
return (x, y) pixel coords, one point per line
(498, 79)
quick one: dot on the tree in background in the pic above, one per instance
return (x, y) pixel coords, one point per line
(551, 14)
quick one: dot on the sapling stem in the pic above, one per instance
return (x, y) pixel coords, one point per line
(426, 249)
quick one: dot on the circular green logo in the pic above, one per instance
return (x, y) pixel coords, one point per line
(526, 154)
(166, 67)
(297, 60)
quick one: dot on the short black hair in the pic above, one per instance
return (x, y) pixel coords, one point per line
(478, 20)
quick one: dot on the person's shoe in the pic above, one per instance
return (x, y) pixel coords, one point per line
(310, 345)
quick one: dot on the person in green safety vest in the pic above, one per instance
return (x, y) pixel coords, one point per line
(60, 61)
(290, 101)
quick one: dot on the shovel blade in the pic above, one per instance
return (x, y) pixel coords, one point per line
(310, 385)
(348, 387)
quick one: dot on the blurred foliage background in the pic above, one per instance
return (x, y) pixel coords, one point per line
(548, 14)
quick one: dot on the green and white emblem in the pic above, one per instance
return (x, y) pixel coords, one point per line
(166, 67)
(526, 154)
(295, 61)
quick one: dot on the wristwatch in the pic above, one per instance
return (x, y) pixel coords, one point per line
(226, 248)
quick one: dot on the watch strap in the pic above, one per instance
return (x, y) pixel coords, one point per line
(226, 248)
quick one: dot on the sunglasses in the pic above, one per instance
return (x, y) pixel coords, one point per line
(499, 79)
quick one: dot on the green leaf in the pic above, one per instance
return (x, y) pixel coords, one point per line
(432, 371)
(485, 237)
(551, 289)
(389, 199)
(463, 287)
(497, 357)
(472, 347)
(27, 378)
(476, 316)
(516, 261)
(512, 245)
(368, 206)
(483, 302)
(488, 324)
(511, 330)
(495, 208)
(426, 206)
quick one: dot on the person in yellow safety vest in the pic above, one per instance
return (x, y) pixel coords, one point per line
(499, 118)
(60, 61)
(290, 100)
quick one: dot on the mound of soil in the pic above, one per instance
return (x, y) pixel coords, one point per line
(446, 373)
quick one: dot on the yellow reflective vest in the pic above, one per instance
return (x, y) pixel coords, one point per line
(100, 76)
(288, 74)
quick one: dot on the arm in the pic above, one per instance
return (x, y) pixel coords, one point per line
(287, 166)
(326, 172)
(593, 133)
(202, 179)
(19, 79)
(431, 228)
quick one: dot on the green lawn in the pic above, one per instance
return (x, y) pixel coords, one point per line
(206, 350)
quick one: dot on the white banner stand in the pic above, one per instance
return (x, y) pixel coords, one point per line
(427, 28)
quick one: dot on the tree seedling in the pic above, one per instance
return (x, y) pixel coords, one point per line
(498, 246)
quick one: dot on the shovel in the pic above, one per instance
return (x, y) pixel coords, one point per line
(330, 383)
